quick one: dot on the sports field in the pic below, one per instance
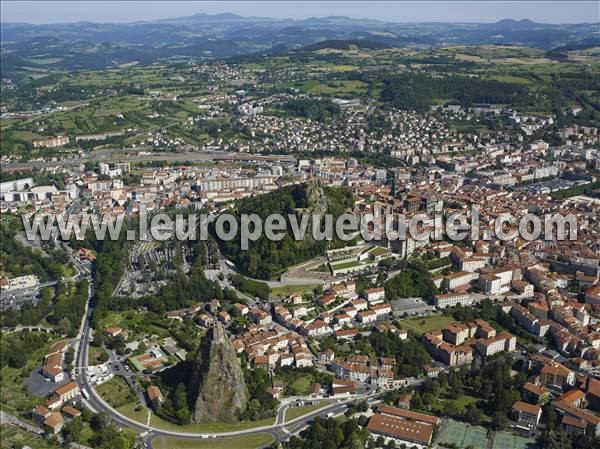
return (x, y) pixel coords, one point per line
(504, 440)
(463, 435)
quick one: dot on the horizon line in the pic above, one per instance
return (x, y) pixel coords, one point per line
(281, 19)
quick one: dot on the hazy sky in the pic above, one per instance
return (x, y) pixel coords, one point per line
(401, 11)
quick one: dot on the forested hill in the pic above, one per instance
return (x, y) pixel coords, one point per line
(419, 91)
(266, 259)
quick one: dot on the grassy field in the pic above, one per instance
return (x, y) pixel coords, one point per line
(26, 135)
(302, 385)
(426, 324)
(460, 403)
(210, 427)
(135, 321)
(287, 290)
(467, 127)
(245, 442)
(141, 415)
(295, 412)
(298, 381)
(122, 319)
(135, 411)
(343, 265)
(116, 392)
(94, 355)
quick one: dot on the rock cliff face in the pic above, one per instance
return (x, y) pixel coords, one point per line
(218, 381)
(315, 196)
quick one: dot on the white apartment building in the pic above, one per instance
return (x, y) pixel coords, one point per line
(452, 299)
(459, 279)
(499, 343)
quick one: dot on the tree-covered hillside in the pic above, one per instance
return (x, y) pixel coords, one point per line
(418, 92)
(266, 259)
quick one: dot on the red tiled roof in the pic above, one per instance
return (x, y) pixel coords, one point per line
(401, 428)
(525, 407)
(407, 414)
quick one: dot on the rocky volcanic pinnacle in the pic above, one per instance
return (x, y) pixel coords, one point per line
(218, 381)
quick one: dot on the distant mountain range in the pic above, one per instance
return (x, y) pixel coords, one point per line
(85, 45)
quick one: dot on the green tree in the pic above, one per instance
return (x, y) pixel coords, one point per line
(499, 421)
(72, 430)
(554, 439)
(99, 422)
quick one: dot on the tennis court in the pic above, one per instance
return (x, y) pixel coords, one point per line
(455, 433)
(475, 436)
(463, 435)
(504, 440)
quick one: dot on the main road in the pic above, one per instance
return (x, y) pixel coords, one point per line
(133, 156)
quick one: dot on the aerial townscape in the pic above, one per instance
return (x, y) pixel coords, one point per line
(490, 341)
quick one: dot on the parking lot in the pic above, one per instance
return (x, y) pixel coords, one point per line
(39, 385)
